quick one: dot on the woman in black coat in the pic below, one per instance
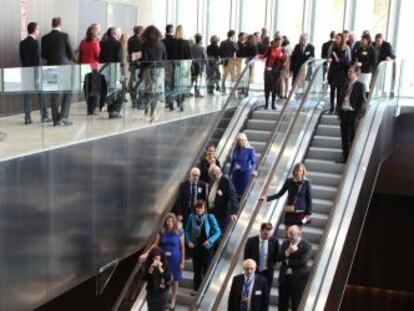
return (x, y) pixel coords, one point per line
(180, 51)
(158, 277)
(364, 57)
(298, 209)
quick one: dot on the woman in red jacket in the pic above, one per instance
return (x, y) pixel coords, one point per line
(89, 49)
(276, 59)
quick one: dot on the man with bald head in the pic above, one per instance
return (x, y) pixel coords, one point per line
(222, 199)
(249, 291)
(294, 255)
(189, 193)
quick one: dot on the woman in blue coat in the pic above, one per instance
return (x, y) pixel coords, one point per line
(201, 234)
(298, 209)
(243, 164)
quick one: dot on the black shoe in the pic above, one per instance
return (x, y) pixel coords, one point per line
(342, 161)
(266, 107)
(114, 115)
(274, 108)
(28, 121)
(47, 120)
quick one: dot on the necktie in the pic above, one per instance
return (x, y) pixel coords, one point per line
(193, 194)
(262, 256)
(244, 306)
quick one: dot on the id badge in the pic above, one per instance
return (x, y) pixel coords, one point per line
(258, 292)
(219, 193)
(289, 271)
(168, 254)
(200, 190)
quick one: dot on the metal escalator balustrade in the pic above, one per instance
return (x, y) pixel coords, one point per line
(326, 262)
(219, 274)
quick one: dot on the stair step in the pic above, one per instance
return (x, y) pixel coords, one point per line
(326, 142)
(329, 154)
(319, 220)
(258, 146)
(324, 178)
(328, 130)
(324, 166)
(329, 119)
(184, 297)
(187, 279)
(324, 192)
(262, 136)
(321, 206)
(310, 234)
(260, 125)
(266, 115)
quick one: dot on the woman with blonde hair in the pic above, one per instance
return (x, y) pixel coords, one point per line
(171, 240)
(298, 209)
(243, 164)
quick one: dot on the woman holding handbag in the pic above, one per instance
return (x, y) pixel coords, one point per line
(298, 209)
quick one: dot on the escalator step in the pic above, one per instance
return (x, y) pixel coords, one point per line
(329, 154)
(324, 166)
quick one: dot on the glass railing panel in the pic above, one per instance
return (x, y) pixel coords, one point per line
(229, 250)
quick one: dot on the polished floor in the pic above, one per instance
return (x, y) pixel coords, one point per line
(17, 139)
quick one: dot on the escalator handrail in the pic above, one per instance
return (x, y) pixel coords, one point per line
(353, 169)
(207, 279)
(209, 136)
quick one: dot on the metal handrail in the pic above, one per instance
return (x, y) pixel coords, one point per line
(354, 162)
(223, 243)
(214, 125)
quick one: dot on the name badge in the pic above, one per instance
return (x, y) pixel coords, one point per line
(364, 53)
(237, 167)
(289, 271)
(200, 190)
(219, 192)
(168, 254)
(307, 53)
(258, 292)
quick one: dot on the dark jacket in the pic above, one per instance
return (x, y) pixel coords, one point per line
(30, 52)
(384, 51)
(225, 203)
(248, 51)
(168, 42)
(95, 86)
(153, 53)
(204, 165)
(111, 51)
(325, 49)
(252, 251)
(134, 46)
(259, 297)
(302, 200)
(300, 56)
(297, 261)
(366, 56)
(56, 48)
(357, 98)
(179, 49)
(182, 206)
(228, 49)
(338, 69)
(156, 281)
(213, 51)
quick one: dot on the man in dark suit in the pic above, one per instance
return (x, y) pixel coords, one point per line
(222, 199)
(325, 52)
(249, 291)
(294, 255)
(383, 49)
(134, 55)
(30, 57)
(351, 109)
(168, 39)
(263, 249)
(56, 50)
(228, 51)
(190, 192)
(302, 52)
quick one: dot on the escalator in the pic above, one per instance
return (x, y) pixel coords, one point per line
(320, 148)
(263, 128)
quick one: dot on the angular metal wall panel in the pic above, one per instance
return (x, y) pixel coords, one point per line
(67, 212)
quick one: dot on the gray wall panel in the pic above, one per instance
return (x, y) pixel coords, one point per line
(67, 212)
(10, 32)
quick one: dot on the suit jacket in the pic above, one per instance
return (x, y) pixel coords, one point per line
(299, 56)
(252, 250)
(297, 261)
(228, 49)
(182, 206)
(30, 52)
(357, 98)
(259, 297)
(225, 203)
(179, 49)
(134, 46)
(56, 48)
(325, 49)
(111, 51)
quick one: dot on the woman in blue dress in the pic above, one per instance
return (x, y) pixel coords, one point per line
(243, 164)
(171, 240)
